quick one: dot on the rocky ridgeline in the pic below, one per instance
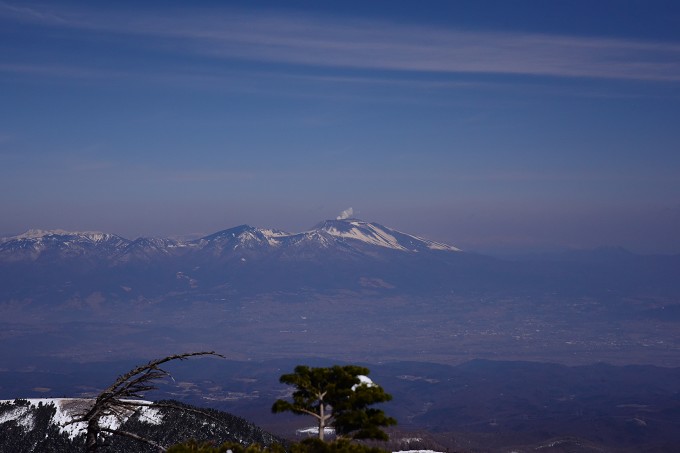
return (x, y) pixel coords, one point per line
(41, 425)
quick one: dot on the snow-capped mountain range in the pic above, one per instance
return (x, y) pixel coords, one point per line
(34, 243)
(350, 235)
(344, 254)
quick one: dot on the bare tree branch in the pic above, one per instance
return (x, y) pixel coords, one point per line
(122, 397)
(118, 432)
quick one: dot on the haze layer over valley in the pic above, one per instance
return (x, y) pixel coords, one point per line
(345, 289)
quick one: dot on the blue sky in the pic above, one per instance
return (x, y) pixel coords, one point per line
(492, 125)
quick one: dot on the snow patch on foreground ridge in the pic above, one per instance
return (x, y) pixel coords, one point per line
(69, 408)
(314, 430)
(416, 451)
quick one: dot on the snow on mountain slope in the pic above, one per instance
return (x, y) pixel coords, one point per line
(346, 234)
(243, 236)
(339, 232)
(43, 236)
(34, 243)
(376, 234)
(147, 249)
(68, 409)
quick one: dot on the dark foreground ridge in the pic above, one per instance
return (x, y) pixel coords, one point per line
(477, 406)
(39, 425)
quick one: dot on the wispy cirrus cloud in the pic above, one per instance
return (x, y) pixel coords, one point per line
(369, 45)
(60, 70)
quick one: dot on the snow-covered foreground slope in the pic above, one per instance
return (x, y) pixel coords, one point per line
(416, 451)
(44, 424)
(69, 409)
(39, 425)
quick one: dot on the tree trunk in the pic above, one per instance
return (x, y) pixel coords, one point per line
(91, 438)
(322, 421)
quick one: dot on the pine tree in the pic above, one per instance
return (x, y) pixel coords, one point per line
(338, 397)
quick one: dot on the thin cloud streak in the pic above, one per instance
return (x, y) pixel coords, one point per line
(65, 71)
(321, 41)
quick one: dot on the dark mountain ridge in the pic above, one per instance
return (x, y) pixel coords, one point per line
(41, 425)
